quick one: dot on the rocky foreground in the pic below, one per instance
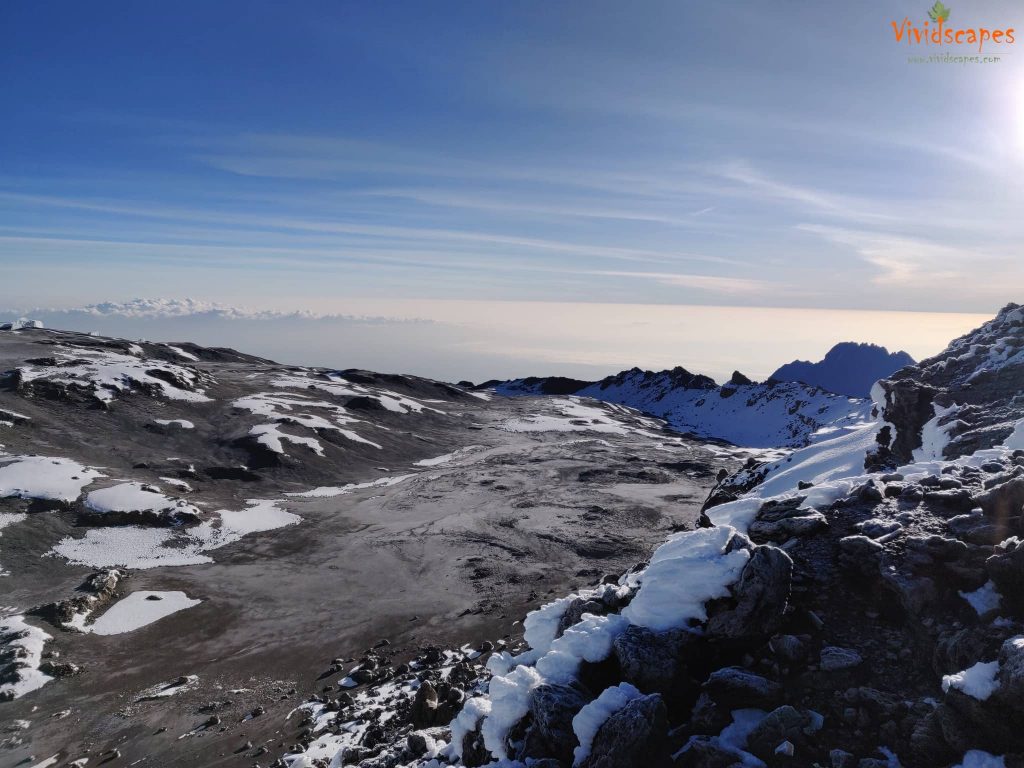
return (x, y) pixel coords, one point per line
(857, 603)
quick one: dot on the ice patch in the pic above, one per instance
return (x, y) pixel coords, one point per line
(293, 409)
(141, 548)
(27, 643)
(984, 599)
(136, 497)
(975, 758)
(333, 384)
(270, 436)
(978, 681)
(1015, 442)
(180, 352)
(326, 491)
(45, 477)
(448, 457)
(576, 416)
(106, 374)
(935, 438)
(138, 610)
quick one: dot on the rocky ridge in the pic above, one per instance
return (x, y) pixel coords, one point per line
(772, 414)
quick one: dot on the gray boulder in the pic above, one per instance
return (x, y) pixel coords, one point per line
(655, 661)
(783, 724)
(550, 734)
(1006, 569)
(634, 737)
(738, 688)
(835, 659)
(761, 595)
(1011, 670)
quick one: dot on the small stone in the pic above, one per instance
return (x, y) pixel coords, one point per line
(834, 659)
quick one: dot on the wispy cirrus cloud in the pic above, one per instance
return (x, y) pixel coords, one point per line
(718, 284)
(917, 263)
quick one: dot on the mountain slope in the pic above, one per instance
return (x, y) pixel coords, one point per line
(848, 368)
(773, 414)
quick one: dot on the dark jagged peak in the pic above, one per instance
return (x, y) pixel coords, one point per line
(676, 378)
(848, 368)
(966, 398)
(739, 380)
(537, 385)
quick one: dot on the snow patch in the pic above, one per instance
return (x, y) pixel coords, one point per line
(684, 573)
(27, 643)
(976, 758)
(984, 599)
(183, 423)
(138, 610)
(45, 477)
(978, 681)
(137, 547)
(136, 497)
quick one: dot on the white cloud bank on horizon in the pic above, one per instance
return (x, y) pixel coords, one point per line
(479, 340)
(177, 308)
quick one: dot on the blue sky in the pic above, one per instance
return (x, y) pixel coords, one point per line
(306, 155)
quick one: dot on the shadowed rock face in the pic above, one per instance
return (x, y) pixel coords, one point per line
(977, 384)
(848, 368)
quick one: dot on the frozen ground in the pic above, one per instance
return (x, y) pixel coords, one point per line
(395, 509)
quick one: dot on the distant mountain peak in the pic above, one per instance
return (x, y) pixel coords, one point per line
(849, 368)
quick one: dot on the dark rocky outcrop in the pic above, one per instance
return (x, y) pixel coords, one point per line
(848, 368)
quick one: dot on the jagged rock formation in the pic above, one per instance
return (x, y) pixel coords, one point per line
(966, 398)
(848, 368)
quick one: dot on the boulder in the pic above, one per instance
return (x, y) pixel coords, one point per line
(860, 554)
(1006, 569)
(704, 752)
(655, 662)
(835, 659)
(574, 613)
(1011, 671)
(550, 734)
(738, 688)
(787, 527)
(634, 737)
(761, 596)
(785, 723)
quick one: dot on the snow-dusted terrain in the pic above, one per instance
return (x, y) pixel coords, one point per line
(183, 526)
(767, 415)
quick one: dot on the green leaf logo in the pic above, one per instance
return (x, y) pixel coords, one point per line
(939, 12)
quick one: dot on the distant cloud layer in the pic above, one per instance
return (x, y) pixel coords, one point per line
(479, 340)
(153, 309)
